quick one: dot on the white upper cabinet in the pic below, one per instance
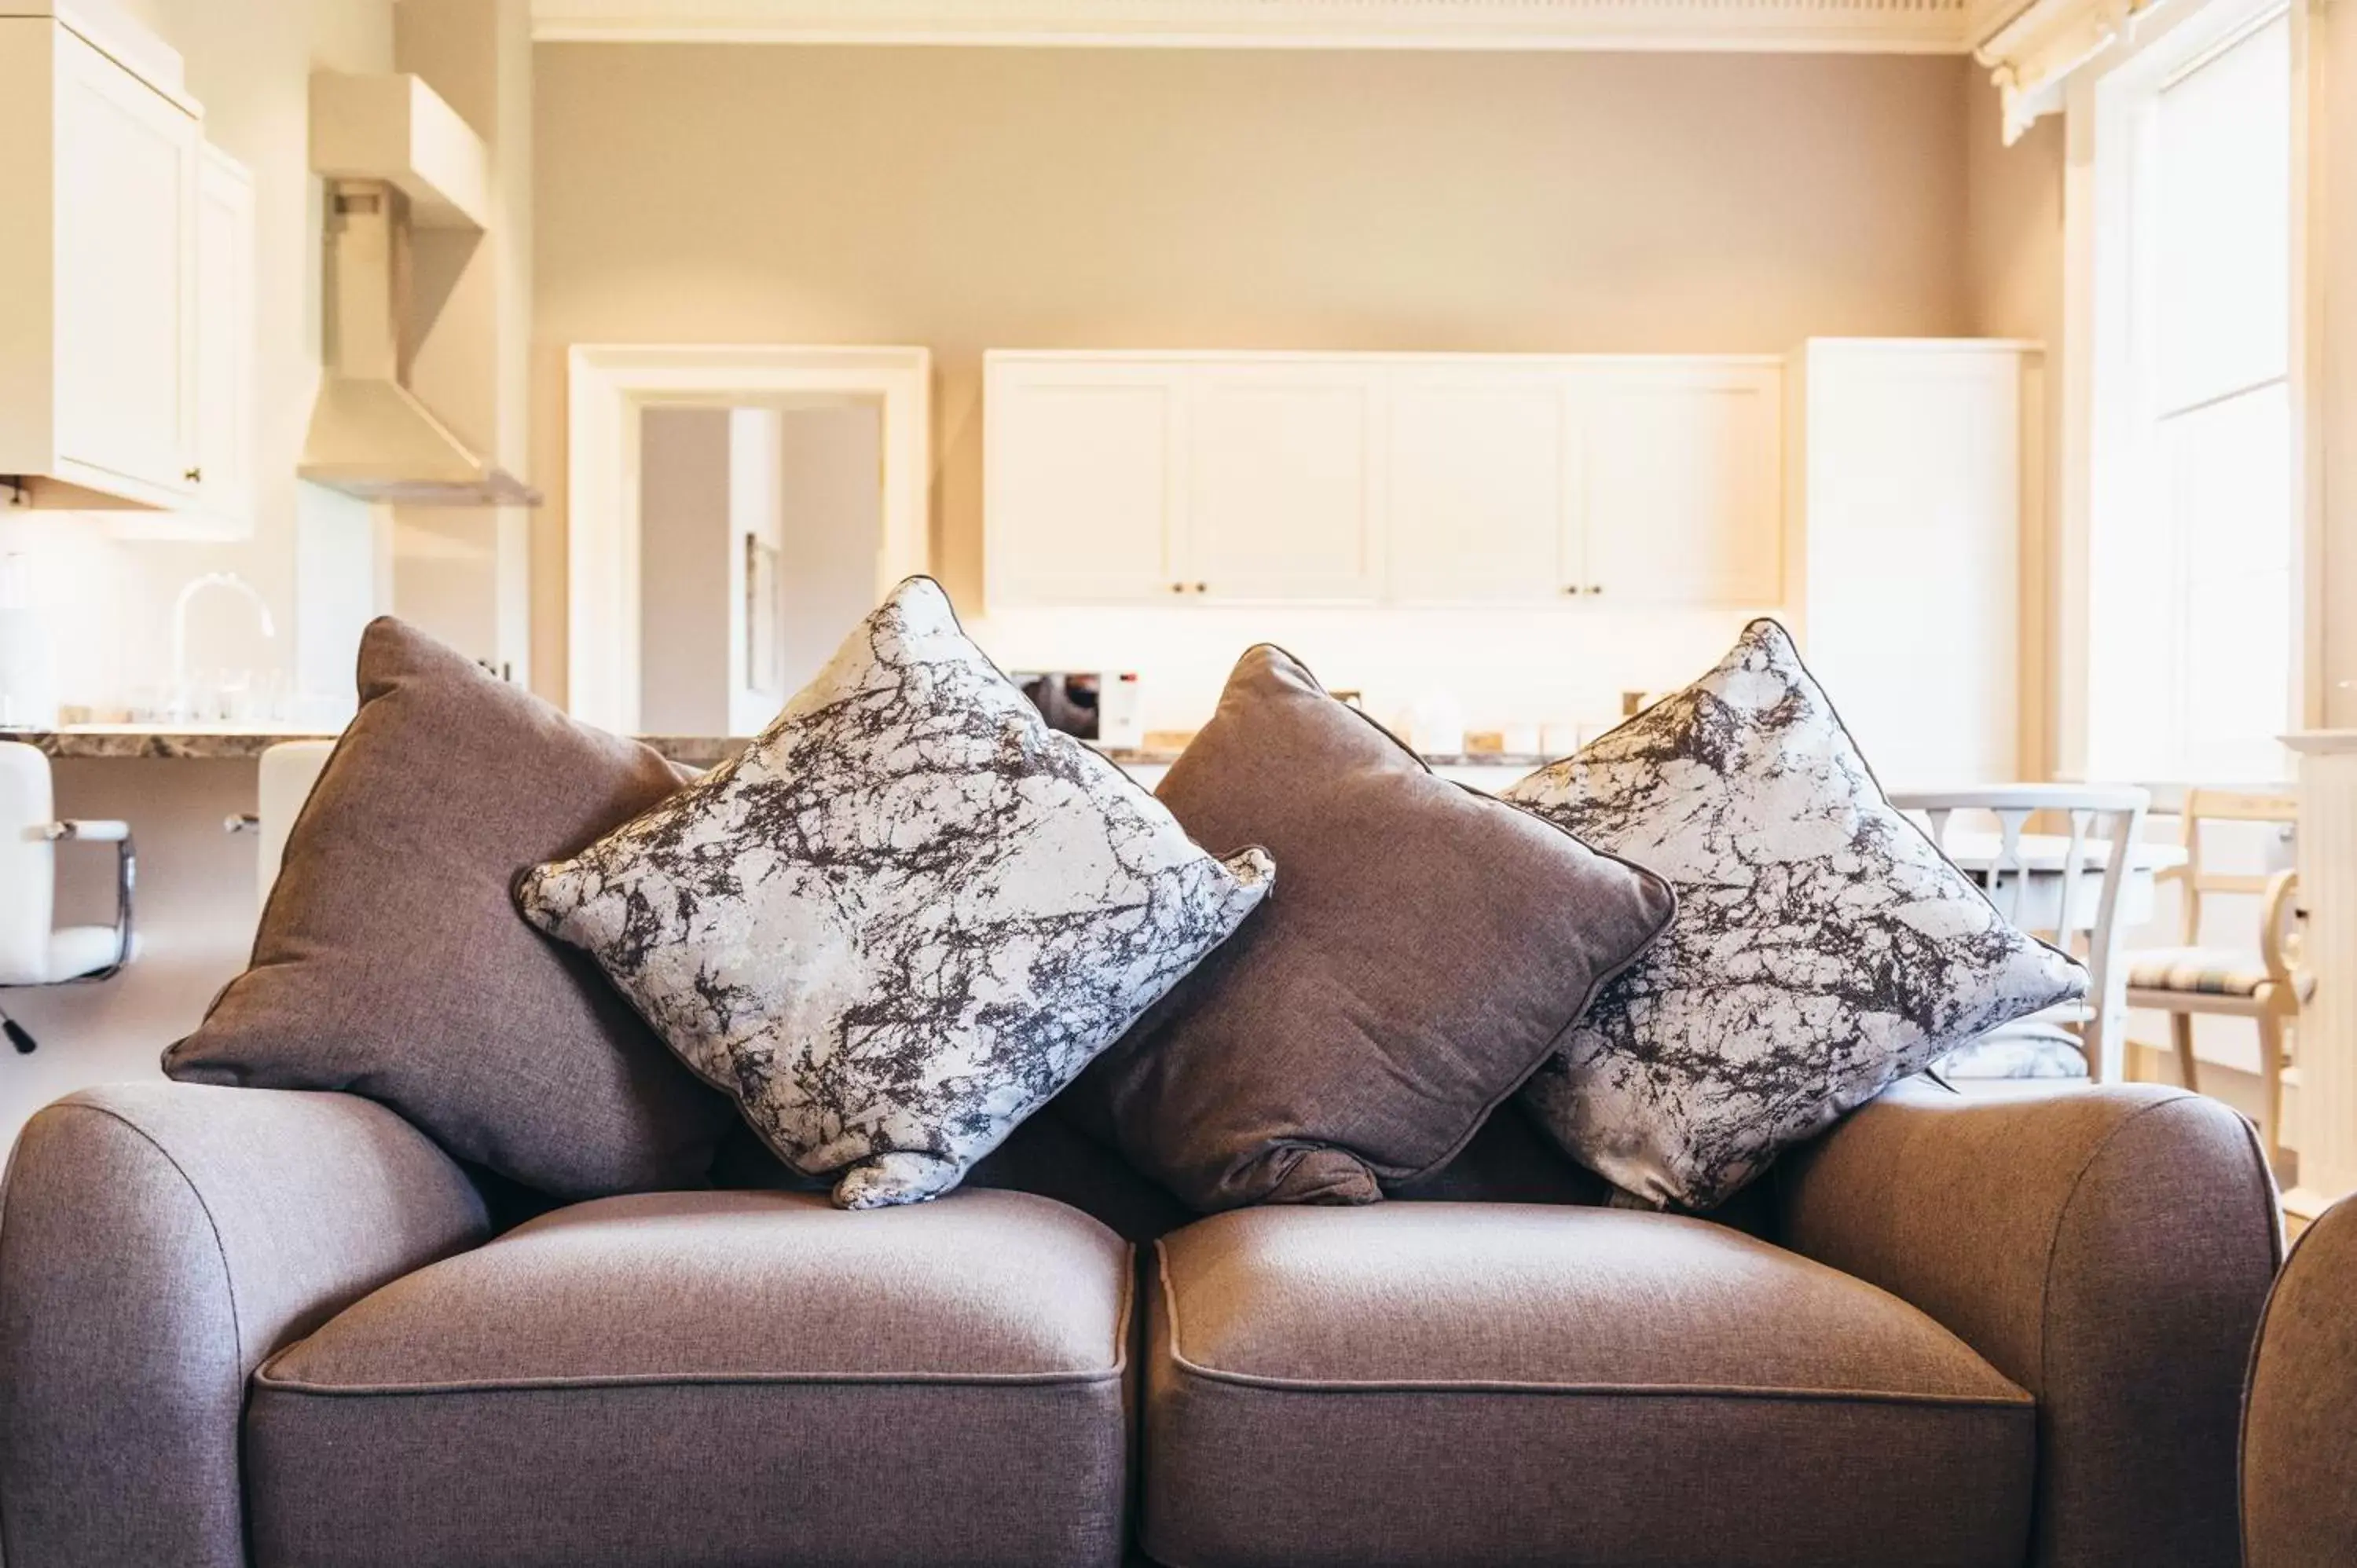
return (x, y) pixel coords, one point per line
(1484, 489)
(1279, 484)
(225, 334)
(1683, 493)
(1442, 479)
(1081, 459)
(128, 161)
(108, 380)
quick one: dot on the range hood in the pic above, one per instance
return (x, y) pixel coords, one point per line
(370, 436)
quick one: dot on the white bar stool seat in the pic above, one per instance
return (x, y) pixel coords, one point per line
(33, 951)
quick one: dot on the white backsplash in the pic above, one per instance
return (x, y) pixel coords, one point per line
(1510, 665)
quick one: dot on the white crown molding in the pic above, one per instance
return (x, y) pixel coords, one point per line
(1890, 27)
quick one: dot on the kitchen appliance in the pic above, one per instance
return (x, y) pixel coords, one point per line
(397, 159)
(1102, 706)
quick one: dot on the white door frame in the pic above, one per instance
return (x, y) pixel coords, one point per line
(609, 384)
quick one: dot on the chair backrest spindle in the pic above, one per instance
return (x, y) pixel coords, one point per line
(2105, 817)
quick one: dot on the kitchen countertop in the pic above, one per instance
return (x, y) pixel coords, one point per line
(80, 741)
(151, 741)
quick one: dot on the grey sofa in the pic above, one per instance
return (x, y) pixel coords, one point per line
(2299, 1424)
(242, 1326)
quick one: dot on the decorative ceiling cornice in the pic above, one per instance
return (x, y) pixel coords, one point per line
(1902, 26)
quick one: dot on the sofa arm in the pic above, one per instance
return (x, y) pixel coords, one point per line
(159, 1241)
(2299, 1507)
(2107, 1248)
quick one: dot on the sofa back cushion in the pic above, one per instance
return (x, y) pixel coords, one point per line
(1427, 946)
(390, 964)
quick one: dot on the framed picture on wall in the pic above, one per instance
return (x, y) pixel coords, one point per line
(762, 631)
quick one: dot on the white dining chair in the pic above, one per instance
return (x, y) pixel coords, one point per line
(2063, 886)
(33, 950)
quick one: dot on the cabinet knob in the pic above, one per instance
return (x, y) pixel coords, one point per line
(1200, 587)
(194, 476)
(1178, 587)
(1595, 587)
(1571, 587)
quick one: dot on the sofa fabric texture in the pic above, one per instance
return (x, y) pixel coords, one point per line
(1822, 949)
(905, 916)
(717, 1378)
(2104, 1251)
(1427, 947)
(1581, 1386)
(389, 961)
(159, 1240)
(2108, 1248)
(2299, 1504)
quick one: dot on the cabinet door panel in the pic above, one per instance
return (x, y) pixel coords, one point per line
(1683, 490)
(1483, 491)
(1079, 502)
(224, 412)
(1913, 615)
(1278, 487)
(126, 190)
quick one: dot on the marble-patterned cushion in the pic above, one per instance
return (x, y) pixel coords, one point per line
(1823, 948)
(905, 918)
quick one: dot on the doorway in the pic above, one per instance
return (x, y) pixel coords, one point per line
(732, 510)
(757, 526)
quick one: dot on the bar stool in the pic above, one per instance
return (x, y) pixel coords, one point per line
(282, 784)
(33, 951)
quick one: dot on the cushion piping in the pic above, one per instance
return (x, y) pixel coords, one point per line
(2019, 1399)
(265, 1376)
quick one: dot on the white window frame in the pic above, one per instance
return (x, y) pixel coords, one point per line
(2105, 101)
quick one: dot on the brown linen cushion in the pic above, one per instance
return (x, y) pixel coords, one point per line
(1425, 948)
(390, 962)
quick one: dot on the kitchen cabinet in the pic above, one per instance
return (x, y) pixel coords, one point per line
(1119, 481)
(1484, 488)
(1279, 484)
(1915, 476)
(225, 334)
(1683, 494)
(1082, 459)
(1360, 479)
(221, 506)
(105, 321)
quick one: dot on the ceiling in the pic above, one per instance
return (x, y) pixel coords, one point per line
(1915, 27)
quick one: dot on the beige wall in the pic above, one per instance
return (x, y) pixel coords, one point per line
(831, 502)
(463, 573)
(685, 539)
(2013, 227)
(965, 200)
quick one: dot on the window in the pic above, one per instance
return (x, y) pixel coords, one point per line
(2193, 650)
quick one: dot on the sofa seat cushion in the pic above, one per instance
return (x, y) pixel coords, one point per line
(715, 1378)
(1450, 1383)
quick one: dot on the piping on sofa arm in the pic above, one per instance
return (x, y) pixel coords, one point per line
(2107, 1248)
(159, 1241)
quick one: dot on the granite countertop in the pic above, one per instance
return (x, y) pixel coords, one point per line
(80, 741)
(86, 741)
